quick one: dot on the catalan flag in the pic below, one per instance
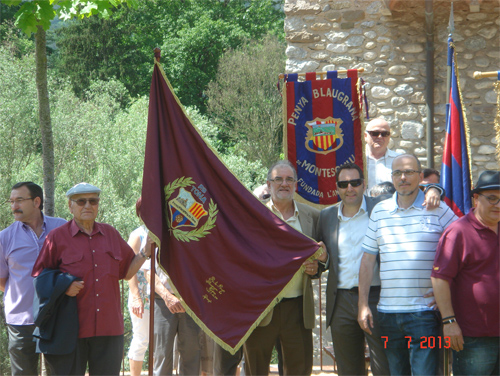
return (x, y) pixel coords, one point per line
(455, 171)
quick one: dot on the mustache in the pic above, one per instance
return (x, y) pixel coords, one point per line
(17, 211)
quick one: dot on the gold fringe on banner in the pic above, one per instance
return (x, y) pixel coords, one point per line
(188, 310)
(496, 85)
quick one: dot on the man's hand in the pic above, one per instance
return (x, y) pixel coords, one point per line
(311, 267)
(74, 288)
(432, 198)
(433, 302)
(138, 307)
(323, 257)
(365, 319)
(455, 333)
(173, 304)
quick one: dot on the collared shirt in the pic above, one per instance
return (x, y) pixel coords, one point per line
(468, 258)
(379, 170)
(100, 260)
(19, 248)
(350, 239)
(406, 240)
(294, 287)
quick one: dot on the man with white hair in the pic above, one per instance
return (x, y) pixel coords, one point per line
(97, 255)
(378, 157)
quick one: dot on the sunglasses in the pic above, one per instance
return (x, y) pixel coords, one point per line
(354, 183)
(379, 133)
(83, 201)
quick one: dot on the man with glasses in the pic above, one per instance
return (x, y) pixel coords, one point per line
(378, 157)
(342, 227)
(466, 282)
(97, 255)
(291, 320)
(405, 236)
(20, 244)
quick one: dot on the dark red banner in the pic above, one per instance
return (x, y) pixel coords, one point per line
(228, 257)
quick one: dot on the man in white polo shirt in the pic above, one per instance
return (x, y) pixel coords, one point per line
(406, 236)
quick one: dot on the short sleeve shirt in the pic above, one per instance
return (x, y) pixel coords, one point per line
(19, 248)
(406, 240)
(467, 257)
(100, 260)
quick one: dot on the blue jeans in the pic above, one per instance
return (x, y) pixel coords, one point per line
(479, 357)
(410, 356)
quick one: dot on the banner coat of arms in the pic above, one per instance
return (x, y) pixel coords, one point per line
(322, 128)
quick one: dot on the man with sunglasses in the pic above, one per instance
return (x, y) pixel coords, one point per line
(342, 228)
(20, 244)
(378, 157)
(405, 235)
(466, 282)
(97, 255)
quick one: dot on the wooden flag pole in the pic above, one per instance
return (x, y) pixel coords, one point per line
(321, 74)
(152, 280)
(478, 75)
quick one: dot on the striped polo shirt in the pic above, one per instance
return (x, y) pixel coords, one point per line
(406, 240)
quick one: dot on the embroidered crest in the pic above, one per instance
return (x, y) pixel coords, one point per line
(324, 135)
(187, 209)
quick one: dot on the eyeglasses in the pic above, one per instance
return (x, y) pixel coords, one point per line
(379, 133)
(493, 200)
(83, 201)
(279, 180)
(345, 183)
(18, 200)
(398, 173)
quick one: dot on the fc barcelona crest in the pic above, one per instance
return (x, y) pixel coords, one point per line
(324, 135)
(186, 211)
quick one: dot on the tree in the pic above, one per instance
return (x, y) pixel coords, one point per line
(193, 35)
(35, 17)
(245, 101)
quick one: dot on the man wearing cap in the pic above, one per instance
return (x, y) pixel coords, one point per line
(20, 244)
(96, 254)
(466, 282)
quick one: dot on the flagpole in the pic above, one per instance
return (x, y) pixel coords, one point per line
(152, 282)
(321, 74)
(478, 75)
(429, 25)
(451, 29)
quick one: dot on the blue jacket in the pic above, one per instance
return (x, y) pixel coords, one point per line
(55, 313)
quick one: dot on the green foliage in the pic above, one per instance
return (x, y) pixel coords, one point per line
(36, 13)
(244, 100)
(192, 34)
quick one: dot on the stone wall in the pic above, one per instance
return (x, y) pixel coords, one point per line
(390, 45)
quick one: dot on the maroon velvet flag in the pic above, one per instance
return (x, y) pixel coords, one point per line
(228, 257)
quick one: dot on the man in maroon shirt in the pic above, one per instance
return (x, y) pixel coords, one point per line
(466, 282)
(96, 254)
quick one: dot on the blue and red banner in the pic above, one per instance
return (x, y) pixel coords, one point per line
(227, 256)
(322, 131)
(455, 171)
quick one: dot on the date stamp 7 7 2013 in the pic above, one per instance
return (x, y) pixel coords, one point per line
(426, 342)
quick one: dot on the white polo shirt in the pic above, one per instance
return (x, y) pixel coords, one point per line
(406, 240)
(379, 170)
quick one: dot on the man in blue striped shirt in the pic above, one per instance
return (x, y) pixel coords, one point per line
(405, 235)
